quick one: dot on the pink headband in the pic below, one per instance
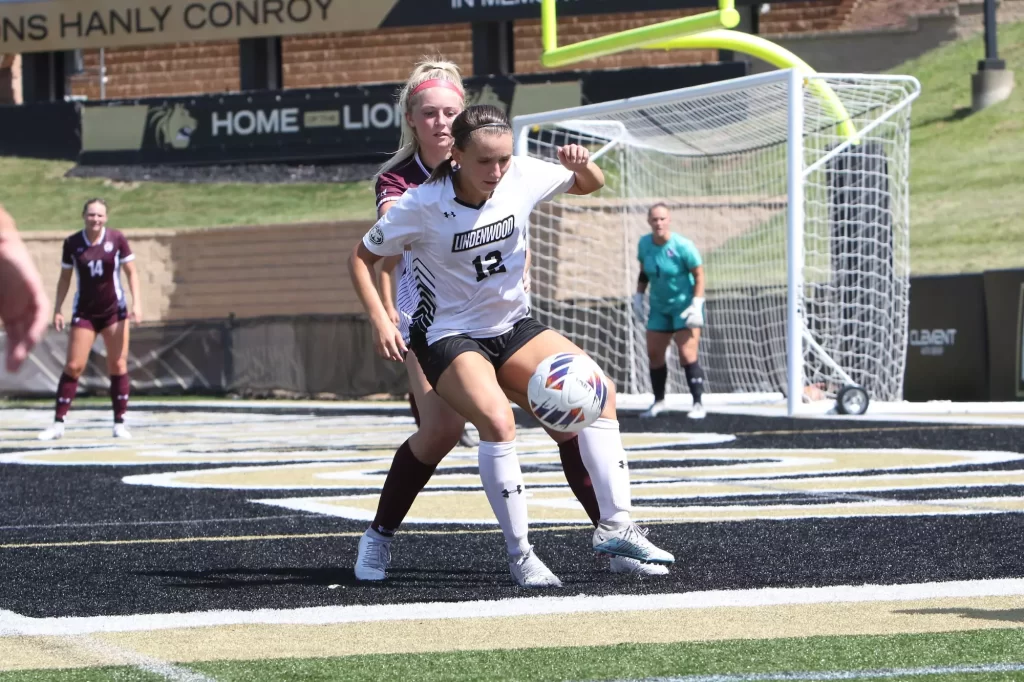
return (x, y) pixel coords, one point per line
(437, 83)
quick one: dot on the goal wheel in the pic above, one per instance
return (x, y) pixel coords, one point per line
(852, 399)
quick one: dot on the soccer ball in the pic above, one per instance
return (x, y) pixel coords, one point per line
(567, 392)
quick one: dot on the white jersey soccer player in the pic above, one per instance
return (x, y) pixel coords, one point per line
(472, 333)
(468, 261)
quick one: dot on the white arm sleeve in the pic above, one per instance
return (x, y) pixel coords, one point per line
(400, 227)
(544, 180)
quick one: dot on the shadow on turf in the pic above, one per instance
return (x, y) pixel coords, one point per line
(1007, 615)
(236, 578)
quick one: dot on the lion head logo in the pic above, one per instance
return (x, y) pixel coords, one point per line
(486, 95)
(172, 125)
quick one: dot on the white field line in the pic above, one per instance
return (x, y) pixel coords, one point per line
(831, 675)
(13, 625)
(536, 606)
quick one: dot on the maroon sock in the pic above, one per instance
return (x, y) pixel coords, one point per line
(415, 410)
(119, 389)
(578, 478)
(66, 390)
(404, 482)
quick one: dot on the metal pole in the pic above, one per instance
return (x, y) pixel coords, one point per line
(795, 245)
(103, 74)
(993, 82)
(991, 51)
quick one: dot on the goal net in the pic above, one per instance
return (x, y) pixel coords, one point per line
(803, 228)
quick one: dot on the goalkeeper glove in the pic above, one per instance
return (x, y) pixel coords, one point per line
(693, 315)
(638, 307)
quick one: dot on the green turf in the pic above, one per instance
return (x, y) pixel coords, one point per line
(39, 197)
(627, 661)
(967, 170)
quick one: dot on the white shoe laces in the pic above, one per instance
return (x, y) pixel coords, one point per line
(377, 555)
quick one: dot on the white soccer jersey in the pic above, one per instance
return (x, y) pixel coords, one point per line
(408, 296)
(468, 261)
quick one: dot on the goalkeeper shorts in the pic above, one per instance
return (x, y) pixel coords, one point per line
(667, 319)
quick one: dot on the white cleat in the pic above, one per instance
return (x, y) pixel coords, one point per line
(374, 556)
(628, 540)
(697, 411)
(468, 438)
(54, 432)
(654, 410)
(622, 564)
(121, 431)
(530, 571)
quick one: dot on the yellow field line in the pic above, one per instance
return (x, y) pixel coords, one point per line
(253, 538)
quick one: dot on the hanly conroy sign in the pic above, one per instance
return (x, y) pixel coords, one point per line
(43, 25)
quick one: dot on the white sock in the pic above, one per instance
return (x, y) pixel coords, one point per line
(503, 484)
(605, 459)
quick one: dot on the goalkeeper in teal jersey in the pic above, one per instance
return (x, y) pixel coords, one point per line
(671, 266)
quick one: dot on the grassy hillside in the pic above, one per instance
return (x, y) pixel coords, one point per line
(967, 170)
(41, 198)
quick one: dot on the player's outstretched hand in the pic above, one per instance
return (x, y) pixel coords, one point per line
(574, 157)
(58, 321)
(136, 314)
(23, 305)
(388, 342)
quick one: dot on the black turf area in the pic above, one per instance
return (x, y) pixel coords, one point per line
(90, 503)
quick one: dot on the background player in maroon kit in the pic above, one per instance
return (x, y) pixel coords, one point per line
(96, 255)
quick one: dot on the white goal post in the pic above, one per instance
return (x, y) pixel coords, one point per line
(803, 229)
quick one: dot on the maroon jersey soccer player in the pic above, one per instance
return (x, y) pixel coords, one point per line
(96, 255)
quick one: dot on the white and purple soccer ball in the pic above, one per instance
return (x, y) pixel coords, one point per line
(567, 392)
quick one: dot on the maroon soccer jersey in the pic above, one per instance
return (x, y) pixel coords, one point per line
(406, 175)
(98, 266)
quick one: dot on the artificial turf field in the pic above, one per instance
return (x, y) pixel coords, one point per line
(218, 544)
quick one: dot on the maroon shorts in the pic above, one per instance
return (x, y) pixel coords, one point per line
(101, 322)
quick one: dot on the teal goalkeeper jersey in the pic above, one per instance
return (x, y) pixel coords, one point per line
(668, 269)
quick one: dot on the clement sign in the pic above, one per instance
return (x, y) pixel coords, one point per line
(42, 25)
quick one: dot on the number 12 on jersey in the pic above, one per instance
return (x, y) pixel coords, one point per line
(492, 263)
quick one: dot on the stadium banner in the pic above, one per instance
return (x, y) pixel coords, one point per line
(422, 12)
(1004, 306)
(50, 130)
(357, 123)
(322, 356)
(948, 350)
(50, 25)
